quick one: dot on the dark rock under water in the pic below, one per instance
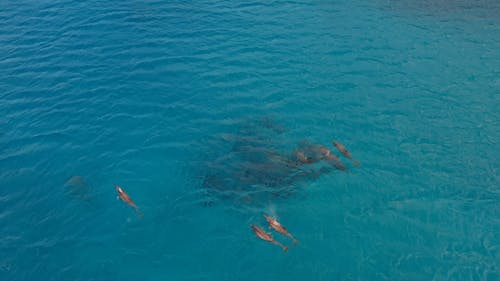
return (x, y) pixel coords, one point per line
(255, 170)
(77, 187)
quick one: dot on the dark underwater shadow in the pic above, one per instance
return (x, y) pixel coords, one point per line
(260, 166)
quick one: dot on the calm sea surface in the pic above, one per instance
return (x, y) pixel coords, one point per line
(195, 109)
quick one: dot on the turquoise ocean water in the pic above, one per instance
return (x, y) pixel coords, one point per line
(195, 108)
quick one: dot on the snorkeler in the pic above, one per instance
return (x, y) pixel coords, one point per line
(267, 237)
(274, 224)
(126, 198)
(345, 152)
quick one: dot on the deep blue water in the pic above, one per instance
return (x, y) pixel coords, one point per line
(195, 107)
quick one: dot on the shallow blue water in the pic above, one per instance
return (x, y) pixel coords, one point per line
(192, 107)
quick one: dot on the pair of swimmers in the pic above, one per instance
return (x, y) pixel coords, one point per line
(274, 224)
(314, 153)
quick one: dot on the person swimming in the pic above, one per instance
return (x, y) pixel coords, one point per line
(126, 198)
(274, 224)
(346, 153)
(260, 233)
